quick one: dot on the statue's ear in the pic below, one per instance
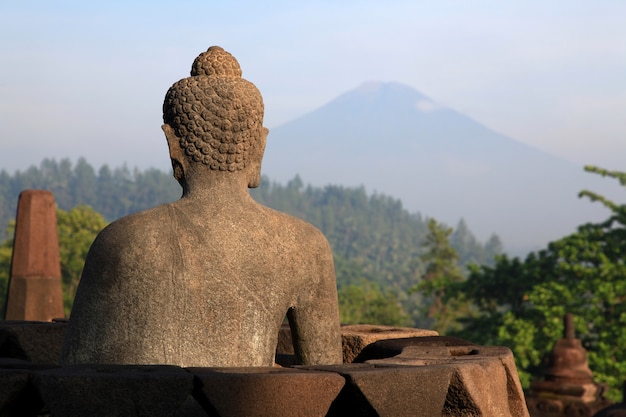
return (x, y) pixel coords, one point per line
(255, 167)
(179, 162)
(264, 134)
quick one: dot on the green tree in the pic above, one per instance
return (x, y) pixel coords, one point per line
(77, 230)
(442, 270)
(493, 248)
(366, 303)
(522, 303)
(468, 249)
(6, 250)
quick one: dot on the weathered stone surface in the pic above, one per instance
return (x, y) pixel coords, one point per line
(18, 397)
(356, 337)
(484, 380)
(392, 392)
(14, 393)
(420, 376)
(37, 342)
(278, 392)
(284, 346)
(191, 408)
(446, 377)
(34, 291)
(208, 279)
(110, 390)
(388, 348)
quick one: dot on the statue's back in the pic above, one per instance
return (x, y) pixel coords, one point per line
(209, 291)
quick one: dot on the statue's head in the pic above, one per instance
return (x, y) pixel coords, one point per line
(215, 118)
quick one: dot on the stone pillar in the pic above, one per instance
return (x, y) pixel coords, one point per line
(34, 291)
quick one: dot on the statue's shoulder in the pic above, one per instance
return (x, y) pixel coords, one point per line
(133, 232)
(303, 231)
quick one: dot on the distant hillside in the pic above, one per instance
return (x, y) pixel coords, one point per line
(113, 192)
(392, 139)
(372, 236)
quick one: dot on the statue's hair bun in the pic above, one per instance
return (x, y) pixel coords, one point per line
(216, 62)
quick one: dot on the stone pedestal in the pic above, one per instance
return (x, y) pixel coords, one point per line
(406, 377)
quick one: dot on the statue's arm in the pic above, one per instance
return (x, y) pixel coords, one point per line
(85, 328)
(97, 314)
(314, 321)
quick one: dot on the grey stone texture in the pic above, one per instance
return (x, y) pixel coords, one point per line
(357, 337)
(416, 376)
(13, 393)
(437, 377)
(354, 338)
(36, 342)
(207, 280)
(484, 380)
(34, 291)
(18, 395)
(113, 390)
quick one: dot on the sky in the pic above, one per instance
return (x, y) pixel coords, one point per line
(81, 78)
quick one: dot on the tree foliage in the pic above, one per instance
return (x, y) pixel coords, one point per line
(521, 303)
(77, 229)
(111, 192)
(442, 271)
(376, 242)
(366, 302)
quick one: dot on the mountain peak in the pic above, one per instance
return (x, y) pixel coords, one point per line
(380, 95)
(395, 140)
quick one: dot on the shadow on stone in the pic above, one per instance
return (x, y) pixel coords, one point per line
(111, 390)
(392, 347)
(37, 342)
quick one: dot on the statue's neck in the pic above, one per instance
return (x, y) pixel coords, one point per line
(221, 188)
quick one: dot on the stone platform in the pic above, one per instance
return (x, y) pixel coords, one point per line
(423, 375)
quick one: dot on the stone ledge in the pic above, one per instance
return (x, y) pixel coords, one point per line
(480, 387)
(354, 339)
(33, 341)
(412, 376)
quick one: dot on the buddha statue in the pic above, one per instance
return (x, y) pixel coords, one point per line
(207, 280)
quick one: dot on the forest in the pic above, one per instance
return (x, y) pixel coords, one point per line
(393, 267)
(376, 242)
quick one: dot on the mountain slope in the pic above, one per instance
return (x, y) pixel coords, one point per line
(392, 139)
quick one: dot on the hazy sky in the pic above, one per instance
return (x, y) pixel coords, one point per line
(88, 78)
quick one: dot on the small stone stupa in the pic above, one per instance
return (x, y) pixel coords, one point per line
(568, 388)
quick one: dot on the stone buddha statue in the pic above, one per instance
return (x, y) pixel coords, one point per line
(207, 280)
